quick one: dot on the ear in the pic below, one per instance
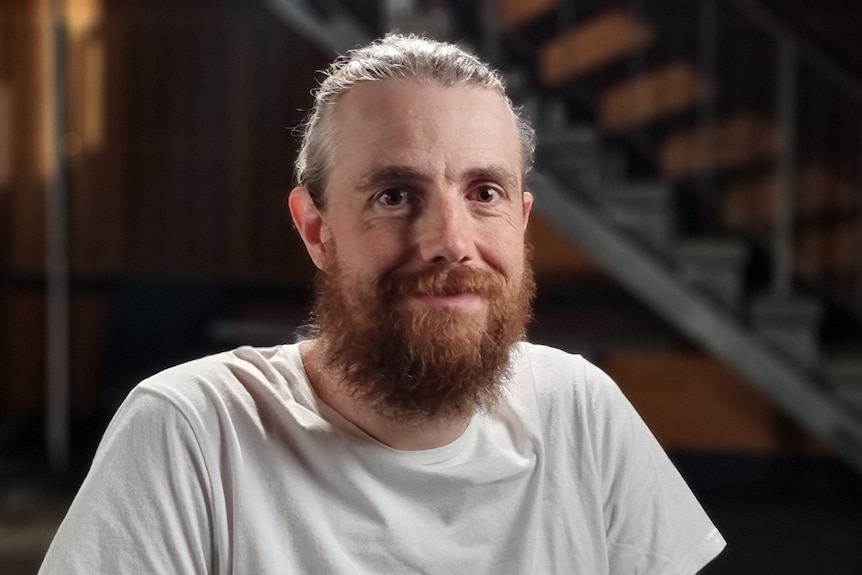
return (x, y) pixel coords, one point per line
(528, 206)
(309, 222)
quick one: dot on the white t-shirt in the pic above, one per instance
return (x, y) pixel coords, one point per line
(231, 464)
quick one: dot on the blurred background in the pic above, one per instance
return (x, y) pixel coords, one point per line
(697, 228)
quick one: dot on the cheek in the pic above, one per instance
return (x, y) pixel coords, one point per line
(505, 253)
(364, 257)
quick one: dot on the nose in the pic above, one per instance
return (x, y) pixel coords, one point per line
(445, 231)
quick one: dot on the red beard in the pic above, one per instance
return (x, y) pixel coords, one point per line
(417, 366)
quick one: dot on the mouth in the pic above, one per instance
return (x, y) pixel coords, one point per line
(463, 300)
(456, 290)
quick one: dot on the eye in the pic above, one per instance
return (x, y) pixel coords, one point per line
(487, 194)
(393, 197)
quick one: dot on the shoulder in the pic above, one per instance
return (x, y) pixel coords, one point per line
(228, 376)
(231, 392)
(567, 395)
(239, 363)
(562, 376)
(595, 434)
(563, 395)
(546, 366)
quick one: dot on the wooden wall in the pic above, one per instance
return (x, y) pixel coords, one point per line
(178, 155)
(178, 151)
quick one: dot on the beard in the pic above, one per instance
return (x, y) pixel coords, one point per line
(421, 365)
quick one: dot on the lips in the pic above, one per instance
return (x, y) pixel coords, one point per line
(460, 301)
(447, 291)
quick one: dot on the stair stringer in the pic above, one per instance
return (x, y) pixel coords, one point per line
(795, 391)
(323, 22)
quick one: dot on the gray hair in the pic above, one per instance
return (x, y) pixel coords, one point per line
(394, 56)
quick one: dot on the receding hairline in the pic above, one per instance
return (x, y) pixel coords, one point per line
(394, 57)
(336, 110)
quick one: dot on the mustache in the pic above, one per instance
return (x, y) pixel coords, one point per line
(443, 281)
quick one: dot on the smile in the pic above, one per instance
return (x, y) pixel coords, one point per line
(462, 300)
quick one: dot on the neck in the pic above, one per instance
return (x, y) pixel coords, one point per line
(406, 436)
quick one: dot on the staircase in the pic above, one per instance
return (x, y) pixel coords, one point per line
(660, 155)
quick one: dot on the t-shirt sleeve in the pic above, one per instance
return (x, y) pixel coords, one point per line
(145, 505)
(654, 523)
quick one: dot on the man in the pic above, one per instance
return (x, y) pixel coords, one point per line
(415, 432)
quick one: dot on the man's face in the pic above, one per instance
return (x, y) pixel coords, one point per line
(424, 278)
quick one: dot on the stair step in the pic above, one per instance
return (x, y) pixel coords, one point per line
(822, 188)
(575, 157)
(653, 95)
(715, 266)
(736, 141)
(825, 226)
(821, 191)
(592, 44)
(844, 372)
(417, 17)
(749, 204)
(844, 375)
(575, 137)
(645, 209)
(518, 84)
(791, 324)
(512, 14)
(830, 250)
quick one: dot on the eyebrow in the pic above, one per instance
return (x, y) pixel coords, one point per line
(390, 174)
(494, 173)
(396, 173)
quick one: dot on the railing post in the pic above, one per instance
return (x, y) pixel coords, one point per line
(707, 54)
(785, 194)
(858, 278)
(636, 66)
(490, 31)
(57, 258)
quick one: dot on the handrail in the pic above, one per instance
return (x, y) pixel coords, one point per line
(782, 249)
(757, 13)
(796, 390)
(338, 31)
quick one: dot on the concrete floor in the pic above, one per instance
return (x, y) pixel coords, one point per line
(22, 545)
(30, 512)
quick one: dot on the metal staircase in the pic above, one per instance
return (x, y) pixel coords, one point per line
(648, 101)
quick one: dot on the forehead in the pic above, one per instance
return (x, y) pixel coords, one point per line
(424, 125)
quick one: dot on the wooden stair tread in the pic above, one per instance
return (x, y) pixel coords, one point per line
(819, 192)
(514, 13)
(600, 40)
(737, 140)
(654, 94)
